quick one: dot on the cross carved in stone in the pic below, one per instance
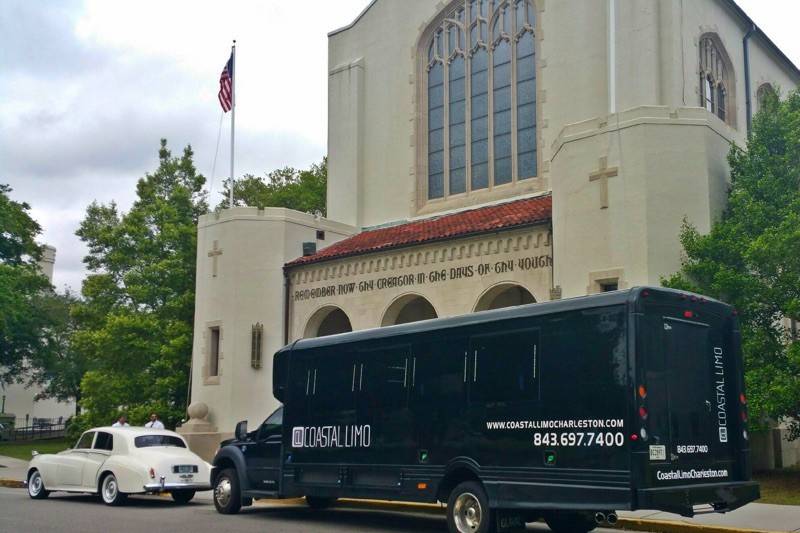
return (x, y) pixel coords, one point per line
(602, 176)
(214, 254)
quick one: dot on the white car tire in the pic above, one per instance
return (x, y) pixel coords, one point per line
(36, 488)
(109, 491)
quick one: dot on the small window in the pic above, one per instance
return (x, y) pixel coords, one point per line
(609, 286)
(213, 352)
(256, 345)
(320, 235)
(85, 442)
(105, 441)
(152, 441)
(505, 367)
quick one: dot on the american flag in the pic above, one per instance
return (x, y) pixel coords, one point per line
(226, 86)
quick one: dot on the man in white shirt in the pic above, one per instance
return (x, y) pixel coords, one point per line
(154, 423)
(122, 421)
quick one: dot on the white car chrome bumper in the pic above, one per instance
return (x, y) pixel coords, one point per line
(164, 487)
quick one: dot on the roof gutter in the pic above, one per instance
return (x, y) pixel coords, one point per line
(747, 82)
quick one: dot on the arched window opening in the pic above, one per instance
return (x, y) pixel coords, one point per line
(481, 90)
(327, 321)
(715, 79)
(765, 93)
(407, 309)
(504, 295)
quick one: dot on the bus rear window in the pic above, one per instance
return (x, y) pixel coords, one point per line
(150, 441)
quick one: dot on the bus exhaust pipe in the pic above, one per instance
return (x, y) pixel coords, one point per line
(611, 518)
(600, 518)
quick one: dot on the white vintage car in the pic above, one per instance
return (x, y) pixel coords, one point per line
(117, 461)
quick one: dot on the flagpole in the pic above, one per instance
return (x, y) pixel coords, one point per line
(233, 117)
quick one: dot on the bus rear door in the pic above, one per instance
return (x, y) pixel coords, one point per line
(687, 398)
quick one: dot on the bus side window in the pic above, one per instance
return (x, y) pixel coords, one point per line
(505, 367)
(386, 377)
(329, 382)
(437, 374)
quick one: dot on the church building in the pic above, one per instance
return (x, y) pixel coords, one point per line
(483, 154)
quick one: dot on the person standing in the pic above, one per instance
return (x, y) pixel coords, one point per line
(122, 422)
(154, 422)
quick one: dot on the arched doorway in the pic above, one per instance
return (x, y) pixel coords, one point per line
(327, 321)
(408, 308)
(504, 295)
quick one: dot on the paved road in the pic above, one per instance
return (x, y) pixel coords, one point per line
(84, 514)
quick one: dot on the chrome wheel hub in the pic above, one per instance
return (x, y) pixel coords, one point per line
(468, 513)
(35, 484)
(222, 492)
(110, 489)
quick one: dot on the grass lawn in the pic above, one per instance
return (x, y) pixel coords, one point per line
(22, 450)
(781, 487)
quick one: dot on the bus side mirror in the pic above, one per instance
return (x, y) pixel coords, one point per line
(241, 430)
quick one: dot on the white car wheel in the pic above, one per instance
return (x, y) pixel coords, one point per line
(36, 488)
(109, 491)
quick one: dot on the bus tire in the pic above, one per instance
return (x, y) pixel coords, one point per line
(317, 502)
(227, 492)
(468, 509)
(565, 522)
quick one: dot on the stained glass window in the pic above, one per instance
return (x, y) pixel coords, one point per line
(481, 97)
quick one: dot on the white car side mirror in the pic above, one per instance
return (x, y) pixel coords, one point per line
(34, 453)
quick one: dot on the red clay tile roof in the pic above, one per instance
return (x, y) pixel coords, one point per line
(484, 219)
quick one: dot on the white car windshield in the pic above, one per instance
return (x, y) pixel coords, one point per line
(149, 441)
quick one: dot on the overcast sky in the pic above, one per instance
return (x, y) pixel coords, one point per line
(87, 89)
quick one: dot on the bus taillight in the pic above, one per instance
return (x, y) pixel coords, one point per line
(643, 413)
(642, 392)
(743, 399)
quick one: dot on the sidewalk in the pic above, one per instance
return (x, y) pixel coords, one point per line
(12, 471)
(752, 517)
(755, 517)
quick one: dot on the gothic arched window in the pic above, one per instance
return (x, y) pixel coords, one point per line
(765, 92)
(715, 79)
(480, 75)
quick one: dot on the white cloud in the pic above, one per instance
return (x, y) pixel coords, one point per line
(89, 89)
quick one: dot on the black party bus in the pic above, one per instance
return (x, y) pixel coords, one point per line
(566, 411)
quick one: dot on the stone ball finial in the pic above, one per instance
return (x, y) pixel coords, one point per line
(198, 411)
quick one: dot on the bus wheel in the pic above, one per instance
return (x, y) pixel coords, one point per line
(468, 510)
(316, 502)
(559, 522)
(227, 494)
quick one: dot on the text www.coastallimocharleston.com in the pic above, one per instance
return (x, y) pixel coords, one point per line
(557, 424)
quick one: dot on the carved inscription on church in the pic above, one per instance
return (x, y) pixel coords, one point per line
(426, 278)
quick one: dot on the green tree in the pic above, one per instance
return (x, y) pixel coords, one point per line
(23, 319)
(301, 190)
(57, 368)
(751, 259)
(135, 320)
